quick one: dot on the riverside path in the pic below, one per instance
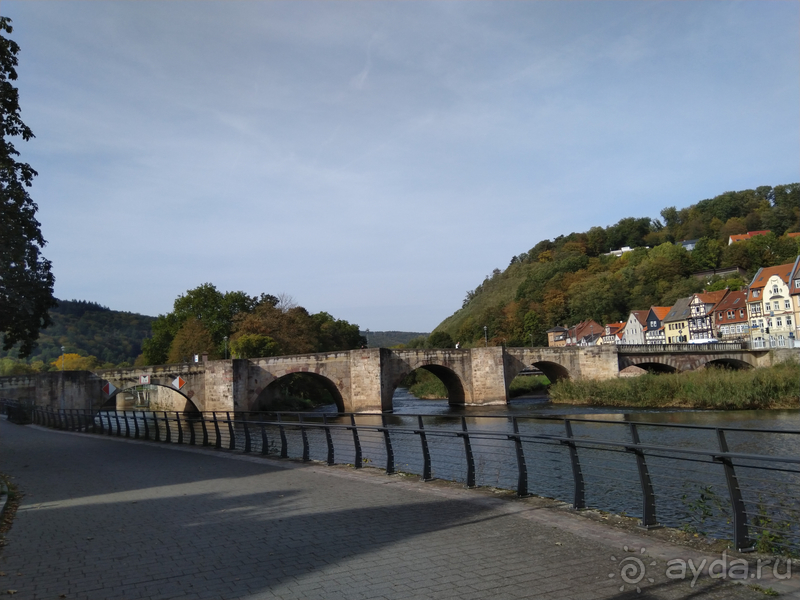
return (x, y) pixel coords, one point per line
(105, 518)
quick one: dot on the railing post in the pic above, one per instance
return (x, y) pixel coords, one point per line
(426, 454)
(579, 500)
(356, 443)
(167, 431)
(468, 454)
(180, 427)
(231, 432)
(304, 435)
(146, 425)
(388, 442)
(110, 427)
(328, 439)
(264, 441)
(157, 434)
(247, 447)
(127, 424)
(522, 467)
(119, 425)
(741, 539)
(649, 520)
(205, 428)
(71, 418)
(135, 426)
(218, 441)
(284, 444)
(192, 435)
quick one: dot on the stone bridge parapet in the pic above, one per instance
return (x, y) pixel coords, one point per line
(365, 380)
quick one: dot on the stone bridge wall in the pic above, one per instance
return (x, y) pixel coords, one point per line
(360, 380)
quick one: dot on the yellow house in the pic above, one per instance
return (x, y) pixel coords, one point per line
(676, 323)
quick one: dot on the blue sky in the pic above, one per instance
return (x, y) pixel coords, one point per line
(377, 159)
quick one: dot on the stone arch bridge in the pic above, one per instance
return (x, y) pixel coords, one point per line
(363, 380)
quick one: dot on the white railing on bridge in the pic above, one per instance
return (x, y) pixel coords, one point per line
(661, 348)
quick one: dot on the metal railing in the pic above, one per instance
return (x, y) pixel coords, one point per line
(659, 348)
(733, 483)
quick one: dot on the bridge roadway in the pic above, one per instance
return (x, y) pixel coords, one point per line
(364, 380)
(105, 519)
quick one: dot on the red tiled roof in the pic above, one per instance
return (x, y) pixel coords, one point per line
(712, 297)
(641, 316)
(735, 301)
(746, 236)
(660, 311)
(763, 276)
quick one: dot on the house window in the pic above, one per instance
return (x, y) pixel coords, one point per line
(776, 305)
(755, 293)
(774, 289)
(779, 322)
(788, 321)
(741, 313)
(781, 340)
(797, 283)
(787, 304)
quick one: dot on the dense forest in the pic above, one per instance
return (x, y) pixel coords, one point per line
(86, 329)
(572, 277)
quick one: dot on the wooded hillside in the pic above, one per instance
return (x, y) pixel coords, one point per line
(87, 328)
(571, 278)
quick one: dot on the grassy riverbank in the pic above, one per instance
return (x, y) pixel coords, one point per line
(773, 387)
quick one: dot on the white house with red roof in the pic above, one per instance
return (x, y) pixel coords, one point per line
(635, 327)
(770, 307)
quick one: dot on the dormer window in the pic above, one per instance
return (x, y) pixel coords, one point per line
(755, 293)
(797, 283)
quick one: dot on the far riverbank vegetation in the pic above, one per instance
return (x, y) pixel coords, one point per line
(710, 388)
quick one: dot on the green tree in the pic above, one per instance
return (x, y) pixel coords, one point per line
(707, 253)
(253, 345)
(215, 310)
(440, 339)
(26, 282)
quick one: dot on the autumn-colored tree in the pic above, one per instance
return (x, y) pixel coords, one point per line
(74, 362)
(192, 338)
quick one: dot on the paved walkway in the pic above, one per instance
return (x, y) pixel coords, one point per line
(103, 518)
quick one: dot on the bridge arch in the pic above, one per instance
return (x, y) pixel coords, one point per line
(452, 382)
(552, 370)
(272, 392)
(654, 367)
(167, 398)
(729, 363)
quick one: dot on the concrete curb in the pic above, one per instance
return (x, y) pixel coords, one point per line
(3, 498)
